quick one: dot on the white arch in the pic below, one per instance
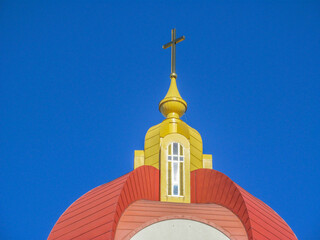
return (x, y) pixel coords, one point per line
(176, 229)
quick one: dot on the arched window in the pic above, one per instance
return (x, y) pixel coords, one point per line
(175, 169)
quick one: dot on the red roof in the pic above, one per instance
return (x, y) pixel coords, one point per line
(96, 214)
(260, 221)
(143, 213)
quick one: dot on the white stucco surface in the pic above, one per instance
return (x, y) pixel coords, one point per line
(176, 229)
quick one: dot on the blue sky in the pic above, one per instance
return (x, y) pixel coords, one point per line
(81, 82)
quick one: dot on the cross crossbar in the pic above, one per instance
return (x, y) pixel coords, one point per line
(180, 39)
(172, 44)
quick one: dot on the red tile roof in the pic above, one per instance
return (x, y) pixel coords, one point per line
(143, 213)
(96, 214)
(261, 222)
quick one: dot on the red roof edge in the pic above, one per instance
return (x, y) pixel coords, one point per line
(259, 220)
(96, 213)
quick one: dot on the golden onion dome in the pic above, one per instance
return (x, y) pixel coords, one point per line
(173, 106)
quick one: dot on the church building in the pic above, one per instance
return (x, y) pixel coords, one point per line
(172, 193)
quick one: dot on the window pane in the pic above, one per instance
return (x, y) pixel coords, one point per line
(175, 148)
(169, 179)
(181, 150)
(175, 190)
(175, 172)
(175, 169)
(181, 179)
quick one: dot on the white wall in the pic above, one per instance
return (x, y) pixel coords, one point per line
(177, 229)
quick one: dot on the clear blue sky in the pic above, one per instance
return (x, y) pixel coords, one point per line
(80, 84)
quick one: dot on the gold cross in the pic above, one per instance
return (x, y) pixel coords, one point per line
(172, 44)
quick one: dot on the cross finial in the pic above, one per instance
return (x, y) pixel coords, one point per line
(172, 44)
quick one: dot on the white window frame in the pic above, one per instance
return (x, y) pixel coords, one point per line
(170, 160)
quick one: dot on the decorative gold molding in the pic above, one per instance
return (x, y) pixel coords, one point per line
(207, 161)
(138, 158)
